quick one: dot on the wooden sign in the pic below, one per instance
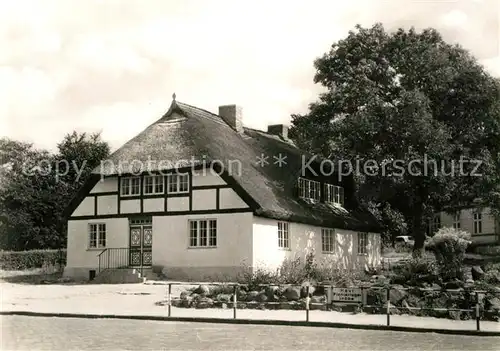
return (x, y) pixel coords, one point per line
(346, 295)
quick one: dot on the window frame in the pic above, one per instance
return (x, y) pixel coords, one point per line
(154, 184)
(333, 194)
(283, 235)
(100, 236)
(306, 187)
(457, 223)
(363, 243)
(178, 183)
(127, 183)
(331, 235)
(210, 233)
(477, 222)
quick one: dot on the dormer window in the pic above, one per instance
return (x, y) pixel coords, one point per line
(334, 194)
(309, 189)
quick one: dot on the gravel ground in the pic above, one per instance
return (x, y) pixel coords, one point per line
(41, 333)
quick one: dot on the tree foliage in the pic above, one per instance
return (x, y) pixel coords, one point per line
(36, 186)
(400, 97)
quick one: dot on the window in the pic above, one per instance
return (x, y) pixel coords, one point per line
(334, 194)
(203, 233)
(434, 224)
(309, 189)
(97, 236)
(327, 240)
(153, 185)
(362, 243)
(130, 186)
(283, 237)
(177, 183)
(456, 220)
(478, 223)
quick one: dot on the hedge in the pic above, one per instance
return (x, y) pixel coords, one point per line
(20, 260)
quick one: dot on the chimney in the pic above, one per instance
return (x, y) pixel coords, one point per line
(232, 115)
(278, 129)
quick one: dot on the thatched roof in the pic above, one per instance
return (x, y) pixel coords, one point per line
(186, 132)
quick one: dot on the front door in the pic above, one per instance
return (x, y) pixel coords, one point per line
(141, 243)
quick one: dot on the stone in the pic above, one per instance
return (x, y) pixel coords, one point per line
(318, 307)
(204, 302)
(292, 293)
(492, 303)
(187, 302)
(224, 298)
(177, 303)
(223, 306)
(184, 295)
(397, 293)
(262, 297)
(271, 292)
(303, 289)
(241, 295)
(252, 305)
(454, 315)
(454, 284)
(318, 299)
(252, 296)
(202, 290)
(477, 272)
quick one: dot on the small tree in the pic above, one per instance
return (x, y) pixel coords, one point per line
(449, 247)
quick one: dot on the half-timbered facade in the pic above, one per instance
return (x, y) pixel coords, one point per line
(190, 196)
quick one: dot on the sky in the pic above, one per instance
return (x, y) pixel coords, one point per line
(111, 66)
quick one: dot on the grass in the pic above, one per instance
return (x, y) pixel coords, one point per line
(45, 275)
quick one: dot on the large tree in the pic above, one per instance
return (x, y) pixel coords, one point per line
(36, 186)
(399, 97)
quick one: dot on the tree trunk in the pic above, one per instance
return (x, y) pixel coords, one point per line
(418, 232)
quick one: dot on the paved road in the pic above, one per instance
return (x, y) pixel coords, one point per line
(41, 333)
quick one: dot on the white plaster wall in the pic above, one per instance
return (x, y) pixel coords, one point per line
(229, 199)
(467, 224)
(107, 204)
(305, 239)
(86, 207)
(171, 241)
(79, 255)
(178, 204)
(201, 178)
(205, 199)
(130, 206)
(105, 185)
(154, 204)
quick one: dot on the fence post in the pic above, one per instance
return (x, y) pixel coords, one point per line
(235, 300)
(388, 306)
(307, 303)
(169, 299)
(478, 317)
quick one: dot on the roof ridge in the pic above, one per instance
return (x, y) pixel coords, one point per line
(201, 109)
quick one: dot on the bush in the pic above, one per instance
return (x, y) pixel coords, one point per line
(417, 270)
(252, 279)
(21, 260)
(448, 246)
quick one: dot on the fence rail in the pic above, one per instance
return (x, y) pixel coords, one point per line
(110, 258)
(475, 309)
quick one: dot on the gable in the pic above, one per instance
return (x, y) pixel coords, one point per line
(207, 192)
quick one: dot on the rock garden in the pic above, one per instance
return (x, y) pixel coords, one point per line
(437, 285)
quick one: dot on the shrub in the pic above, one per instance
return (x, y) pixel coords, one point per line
(252, 279)
(418, 270)
(293, 271)
(20, 260)
(448, 246)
